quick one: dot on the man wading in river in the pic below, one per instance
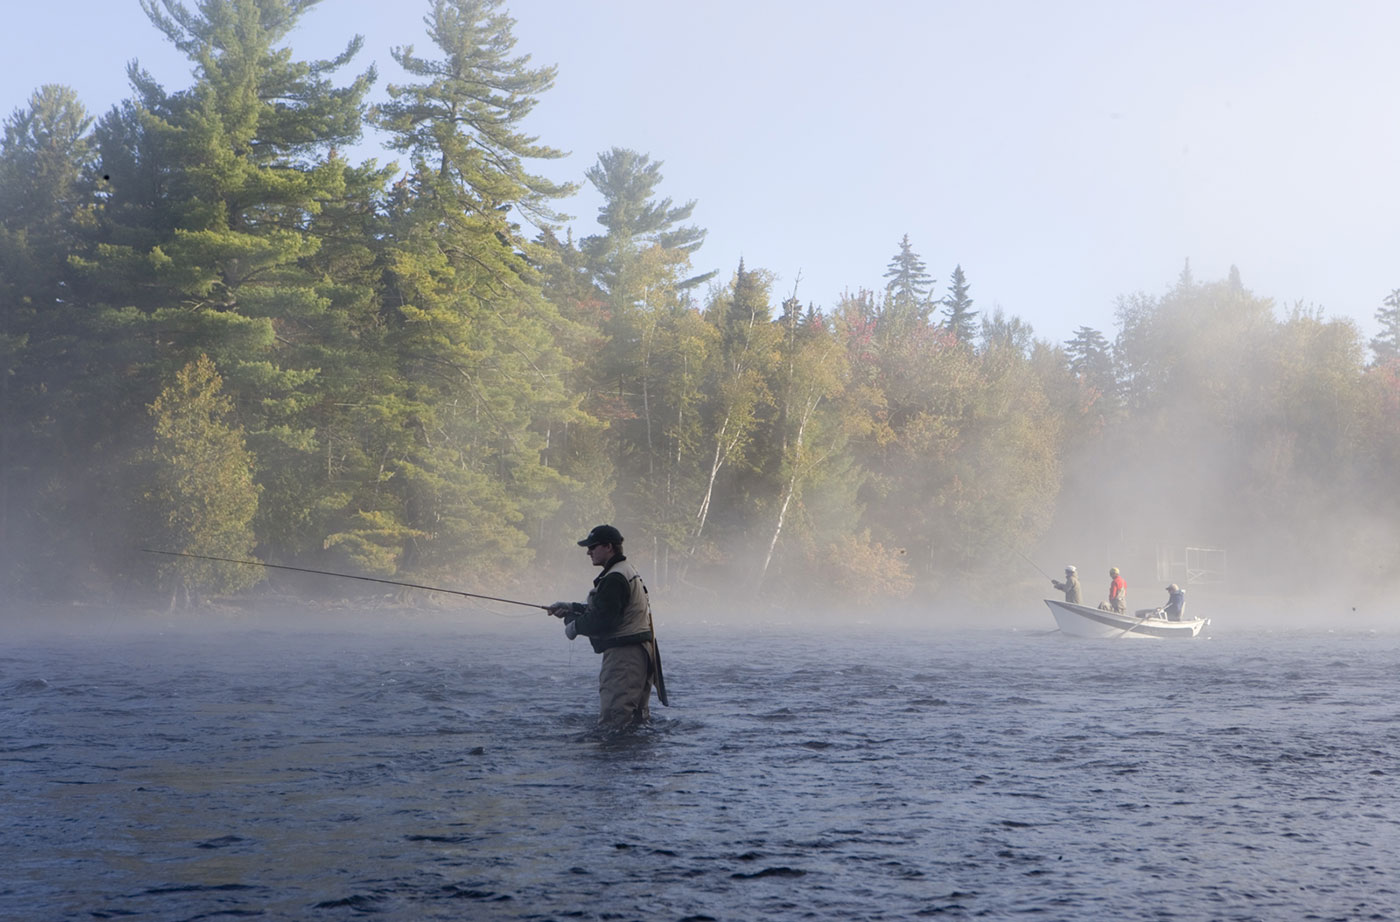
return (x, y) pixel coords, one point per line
(616, 619)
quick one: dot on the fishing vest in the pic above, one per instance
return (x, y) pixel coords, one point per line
(636, 615)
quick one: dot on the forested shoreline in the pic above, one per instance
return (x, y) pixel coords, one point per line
(220, 337)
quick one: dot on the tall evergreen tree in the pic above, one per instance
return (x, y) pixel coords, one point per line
(209, 237)
(906, 291)
(46, 186)
(580, 447)
(46, 160)
(340, 480)
(633, 220)
(959, 317)
(46, 203)
(1091, 360)
(1386, 345)
(641, 262)
(1186, 281)
(462, 120)
(214, 187)
(483, 377)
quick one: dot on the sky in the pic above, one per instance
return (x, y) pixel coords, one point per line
(1064, 154)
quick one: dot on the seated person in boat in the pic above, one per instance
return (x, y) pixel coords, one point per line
(1175, 609)
(1070, 587)
(1117, 593)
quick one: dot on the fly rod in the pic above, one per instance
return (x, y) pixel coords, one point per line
(1032, 563)
(368, 579)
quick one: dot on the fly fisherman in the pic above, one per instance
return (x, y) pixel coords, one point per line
(1070, 587)
(616, 619)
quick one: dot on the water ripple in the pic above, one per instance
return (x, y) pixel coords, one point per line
(453, 774)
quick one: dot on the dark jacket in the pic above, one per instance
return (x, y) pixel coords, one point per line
(617, 612)
(1176, 605)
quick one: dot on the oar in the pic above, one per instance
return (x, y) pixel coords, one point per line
(368, 579)
(1137, 623)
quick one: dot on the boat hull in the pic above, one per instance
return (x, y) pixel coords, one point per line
(1083, 621)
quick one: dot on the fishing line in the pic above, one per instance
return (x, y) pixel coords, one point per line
(1033, 563)
(368, 579)
(507, 615)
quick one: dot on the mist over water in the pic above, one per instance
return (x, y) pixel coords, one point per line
(406, 768)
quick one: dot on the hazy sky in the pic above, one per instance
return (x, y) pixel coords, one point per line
(1062, 153)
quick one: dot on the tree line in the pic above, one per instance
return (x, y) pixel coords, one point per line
(218, 336)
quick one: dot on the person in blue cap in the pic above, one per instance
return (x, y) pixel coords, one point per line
(616, 619)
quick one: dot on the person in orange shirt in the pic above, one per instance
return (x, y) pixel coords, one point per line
(1117, 593)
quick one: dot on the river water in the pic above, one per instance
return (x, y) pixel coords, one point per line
(417, 771)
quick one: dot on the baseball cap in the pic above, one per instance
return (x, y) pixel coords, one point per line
(602, 534)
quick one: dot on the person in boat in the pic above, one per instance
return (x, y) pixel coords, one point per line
(1117, 593)
(616, 619)
(1175, 609)
(1172, 611)
(1070, 587)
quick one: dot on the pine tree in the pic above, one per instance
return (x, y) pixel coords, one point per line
(634, 220)
(46, 202)
(1091, 360)
(641, 264)
(46, 161)
(907, 291)
(209, 238)
(483, 379)
(214, 186)
(580, 448)
(960, 318)
(46, 186)
(330, 483)
(1187, 281)
(461, 121)
(1386, 345)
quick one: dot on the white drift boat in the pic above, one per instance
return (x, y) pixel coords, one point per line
(1084, 621)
